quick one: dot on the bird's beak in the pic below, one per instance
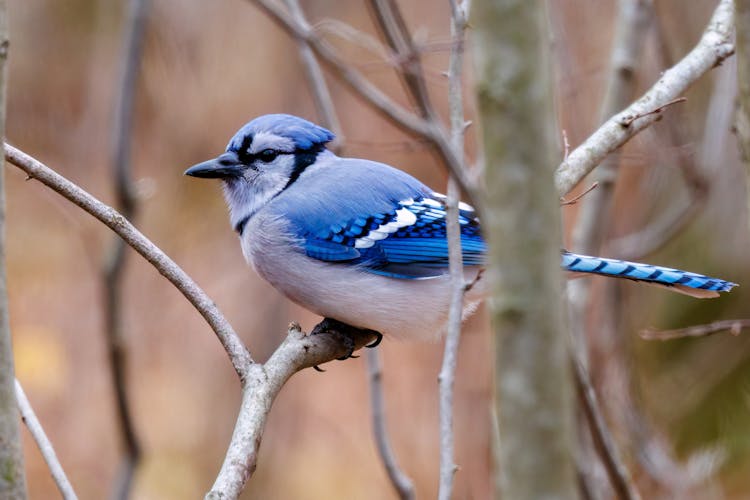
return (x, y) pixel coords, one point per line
(225, 165)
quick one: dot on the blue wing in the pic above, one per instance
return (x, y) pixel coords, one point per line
(378, 218)
(409, 241)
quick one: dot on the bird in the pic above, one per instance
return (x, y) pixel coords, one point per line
(361, 242)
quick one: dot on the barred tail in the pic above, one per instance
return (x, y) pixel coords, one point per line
(692, 284)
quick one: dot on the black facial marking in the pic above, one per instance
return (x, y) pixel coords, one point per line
(243, 152)
(240, 226)
(302, 160)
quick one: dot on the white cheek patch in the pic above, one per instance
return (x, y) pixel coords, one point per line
(404, 218)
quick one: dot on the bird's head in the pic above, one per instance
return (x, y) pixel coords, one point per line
(264, 157)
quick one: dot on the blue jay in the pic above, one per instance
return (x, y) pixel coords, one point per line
(361, 242)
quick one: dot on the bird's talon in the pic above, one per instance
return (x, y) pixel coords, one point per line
(377, 341)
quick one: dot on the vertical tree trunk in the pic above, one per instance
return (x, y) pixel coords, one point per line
(12, 478)
(742, 119)
(521, 221)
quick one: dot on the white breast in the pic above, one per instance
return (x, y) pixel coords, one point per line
(411, 309)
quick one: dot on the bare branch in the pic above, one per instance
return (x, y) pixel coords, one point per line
(316, 80)
(45, 446)
(714, 47)
(604, 441)
(455, 259)
(401, 482)
(261, 387)
(695, 174)
(577, 198)
(114, 262)
(238, 353)
(347, 32)
(391, 23)
(431, 130)
(735, 327)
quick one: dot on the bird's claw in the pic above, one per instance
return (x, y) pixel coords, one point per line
(348, 335)
(377, 341)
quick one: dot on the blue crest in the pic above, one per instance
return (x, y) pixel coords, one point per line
(303, 133)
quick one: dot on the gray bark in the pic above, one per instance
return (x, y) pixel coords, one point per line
(12, 477)
(742, 120)
(521, 221)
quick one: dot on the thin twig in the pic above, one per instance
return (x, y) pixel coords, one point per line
(236, 350)
(361, 39)
(618, 474)
(735, 327)
(432, 130)
(114, 263)
(391, 23)
(447, 374)
(43, 443)
(714, 47)
(401, 482)
(576, 199)
(628, 120)
(317, 82)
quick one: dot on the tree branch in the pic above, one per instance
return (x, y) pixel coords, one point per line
(114, 262)
(45, 446)
(431, 130)
(714, 47)
(446, 377)
(316, 81)
(238, 353)
(391, 23)
(261, 387)
(618, 474)
(735, 327)
(401, 482)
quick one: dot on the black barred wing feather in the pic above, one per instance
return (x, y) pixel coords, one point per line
(407, 242)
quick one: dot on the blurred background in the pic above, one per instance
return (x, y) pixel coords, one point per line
(680, 410)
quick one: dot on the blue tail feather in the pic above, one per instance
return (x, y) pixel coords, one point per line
(665, 276)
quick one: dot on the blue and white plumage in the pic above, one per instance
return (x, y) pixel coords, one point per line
(360, 241)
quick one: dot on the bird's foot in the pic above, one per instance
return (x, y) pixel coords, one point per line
(350, 336)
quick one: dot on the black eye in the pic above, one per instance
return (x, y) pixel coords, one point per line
(268, 155)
